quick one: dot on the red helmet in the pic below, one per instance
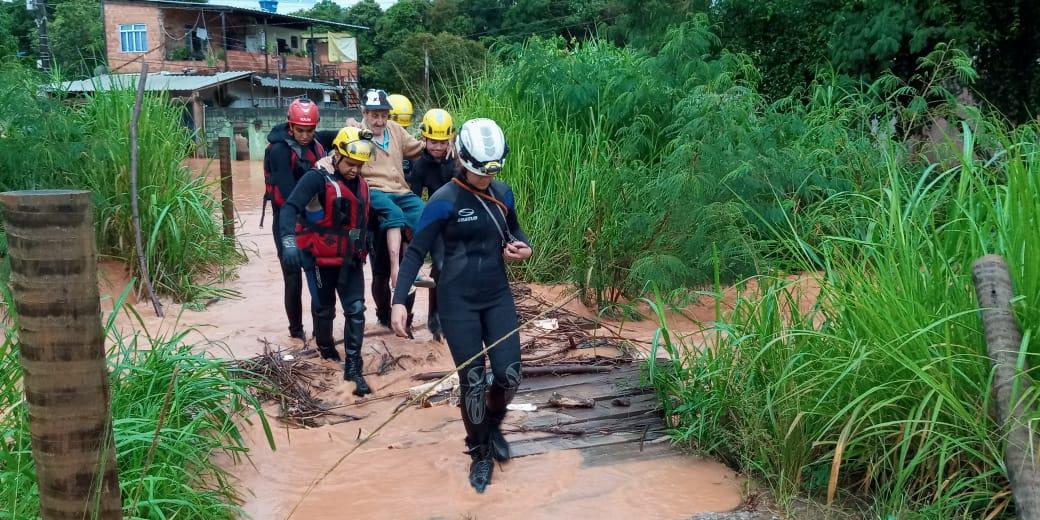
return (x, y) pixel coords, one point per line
(303, 112)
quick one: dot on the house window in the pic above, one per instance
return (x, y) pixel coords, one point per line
(133, 38)
(295, 42)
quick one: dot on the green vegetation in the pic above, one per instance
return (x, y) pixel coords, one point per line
(669, 171)
(47, 144)
(208, 400)
(881, 385)
(650, 160)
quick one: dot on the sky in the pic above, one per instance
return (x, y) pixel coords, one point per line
(288, 6)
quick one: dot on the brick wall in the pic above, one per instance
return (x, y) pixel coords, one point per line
(117, 13)
(165, 31)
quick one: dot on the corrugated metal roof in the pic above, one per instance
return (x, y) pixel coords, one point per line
(155, 82)
(294, 84)
(195, 6)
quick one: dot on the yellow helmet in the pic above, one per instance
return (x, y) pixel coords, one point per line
(353, 143)
(400, 110)
(437, 125)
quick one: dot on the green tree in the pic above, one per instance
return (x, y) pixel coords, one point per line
(366, 13)
(400, 20)
(76, 37)
(324, 10)
(787, 39)
(449, 16)
(16, 28)
(453, 59)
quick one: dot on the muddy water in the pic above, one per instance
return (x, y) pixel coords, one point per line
(414, 468)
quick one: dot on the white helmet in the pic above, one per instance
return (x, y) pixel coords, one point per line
(482, 146)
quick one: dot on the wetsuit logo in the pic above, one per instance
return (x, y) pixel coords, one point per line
(466, 215)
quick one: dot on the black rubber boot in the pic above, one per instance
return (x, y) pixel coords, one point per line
(496, 440)
(329, 353)
(352, 371)
(434, 324)
(481, 467)
(354, 334)
(381, 298)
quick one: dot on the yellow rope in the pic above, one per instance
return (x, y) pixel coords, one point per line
(417, 398)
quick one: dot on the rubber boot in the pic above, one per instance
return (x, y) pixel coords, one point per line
(323, 334)
(496, 440)
(381, 298)
(434, 324)
(353, 368)
(481, 467)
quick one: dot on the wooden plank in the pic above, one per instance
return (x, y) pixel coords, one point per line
(595, 390)
(644, 404)
(526, 447)
(639, 424)
(624, 373)
(651, 449)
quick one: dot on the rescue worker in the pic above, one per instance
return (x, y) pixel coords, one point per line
(475, 216)
(432, 170)
(392, 200)
(323, 227)
(400, 110)
(291, 151)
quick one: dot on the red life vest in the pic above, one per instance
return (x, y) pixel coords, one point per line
(340, 233)
(300, 160)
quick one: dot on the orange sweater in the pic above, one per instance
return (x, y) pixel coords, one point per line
(384, 172)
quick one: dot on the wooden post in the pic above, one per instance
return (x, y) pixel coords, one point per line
(198, 114)
(1003, 341)
(50, 237)
(226, 188)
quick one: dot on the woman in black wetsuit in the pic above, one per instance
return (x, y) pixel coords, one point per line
(475, 216)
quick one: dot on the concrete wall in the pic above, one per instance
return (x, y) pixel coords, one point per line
(242, 121)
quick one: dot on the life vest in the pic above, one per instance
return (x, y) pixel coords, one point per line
(340, 230)
(300, 160)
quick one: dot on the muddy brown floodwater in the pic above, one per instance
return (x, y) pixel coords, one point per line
(414, 468)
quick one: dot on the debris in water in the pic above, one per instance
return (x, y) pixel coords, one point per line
(521, 407)
(547, 324)
(561, 401)
(292, 382)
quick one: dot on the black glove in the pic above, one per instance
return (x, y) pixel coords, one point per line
(290, 253)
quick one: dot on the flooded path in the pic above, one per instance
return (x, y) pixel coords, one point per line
(415, 468)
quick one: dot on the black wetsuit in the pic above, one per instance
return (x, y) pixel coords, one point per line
(427, 174)
(477, 307)
(325, 282)
(286, 167)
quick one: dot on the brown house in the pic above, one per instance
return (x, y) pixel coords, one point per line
(192, 38)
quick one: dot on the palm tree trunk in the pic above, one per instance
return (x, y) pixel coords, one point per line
(61, 349)
(1003, 341)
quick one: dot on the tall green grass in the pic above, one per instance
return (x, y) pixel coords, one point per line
(880, 387)
(208, 401)
(633, 167)
(46, 143)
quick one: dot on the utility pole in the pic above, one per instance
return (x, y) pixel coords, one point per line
(40, 7)
(312, 49)
(223, 38)
(279, 69)
(426, 70)
(267, 52)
